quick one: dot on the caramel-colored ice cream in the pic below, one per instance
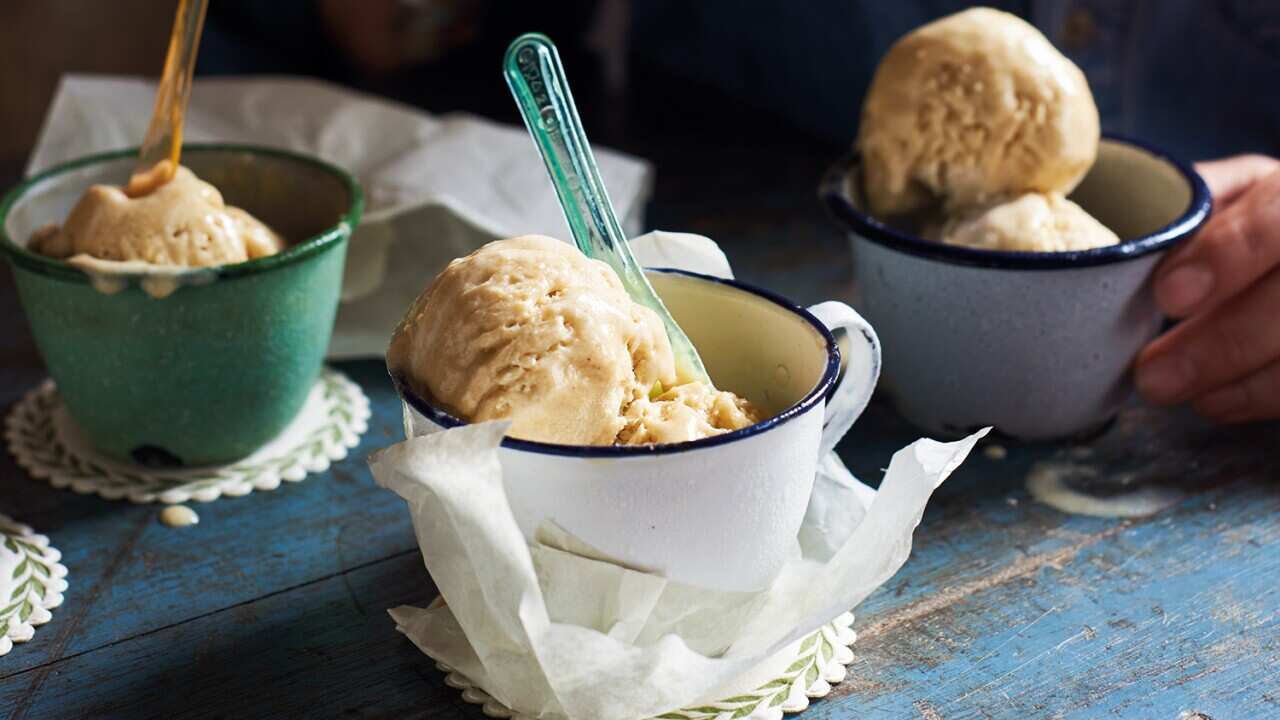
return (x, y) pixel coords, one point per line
(1033, 222)
(972, 108)
(685, 412)
(183, 222)
(532, 331)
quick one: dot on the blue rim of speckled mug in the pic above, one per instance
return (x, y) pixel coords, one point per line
(823, 390)
(19, 255)
(834, 191)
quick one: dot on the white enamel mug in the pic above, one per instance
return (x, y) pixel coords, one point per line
(721, 512)
(1038, 345)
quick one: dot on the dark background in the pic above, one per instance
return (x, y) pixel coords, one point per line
(740, 104)
(1197, 77)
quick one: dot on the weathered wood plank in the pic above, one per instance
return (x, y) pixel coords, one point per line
(1101, 618)
(129, 574)
(1009, 608)
(1006, 609)
(323, 649)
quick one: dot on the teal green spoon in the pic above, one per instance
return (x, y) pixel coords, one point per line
(537, 80)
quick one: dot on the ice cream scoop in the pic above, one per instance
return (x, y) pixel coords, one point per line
(1033, 222)
(971, 108)
(532, 331)
(182, 223)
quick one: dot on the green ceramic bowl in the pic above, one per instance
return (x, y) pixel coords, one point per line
(215, 370)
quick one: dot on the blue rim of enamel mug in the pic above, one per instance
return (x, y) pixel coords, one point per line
(834, 191)
(821, 391)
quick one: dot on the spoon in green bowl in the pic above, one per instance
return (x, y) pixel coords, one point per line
(162, 146)
(537, 80)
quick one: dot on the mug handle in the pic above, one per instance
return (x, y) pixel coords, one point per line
(861, 370)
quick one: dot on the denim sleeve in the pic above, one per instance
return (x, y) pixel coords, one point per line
(1195, 77)
(278, 37)
(1206, 77)
(809, 62)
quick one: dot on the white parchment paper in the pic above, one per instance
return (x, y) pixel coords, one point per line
(552, 632)
(435, 187)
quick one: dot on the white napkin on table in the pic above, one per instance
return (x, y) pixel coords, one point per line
(435, 187)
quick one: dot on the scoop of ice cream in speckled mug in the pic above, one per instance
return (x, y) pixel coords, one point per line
(971, 108)
(1033, 222)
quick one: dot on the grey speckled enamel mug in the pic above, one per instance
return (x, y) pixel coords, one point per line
(1037, 344)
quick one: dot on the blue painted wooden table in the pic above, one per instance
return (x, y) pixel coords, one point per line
(274, 606)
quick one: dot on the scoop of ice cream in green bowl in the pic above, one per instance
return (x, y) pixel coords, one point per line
(188, 366)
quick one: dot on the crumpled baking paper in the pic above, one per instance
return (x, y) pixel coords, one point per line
(551, 631)
(435, 187)
(555, 630)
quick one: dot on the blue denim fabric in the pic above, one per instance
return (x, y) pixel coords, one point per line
(1199, 78)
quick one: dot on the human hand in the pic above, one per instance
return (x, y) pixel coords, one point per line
(1224, 357)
